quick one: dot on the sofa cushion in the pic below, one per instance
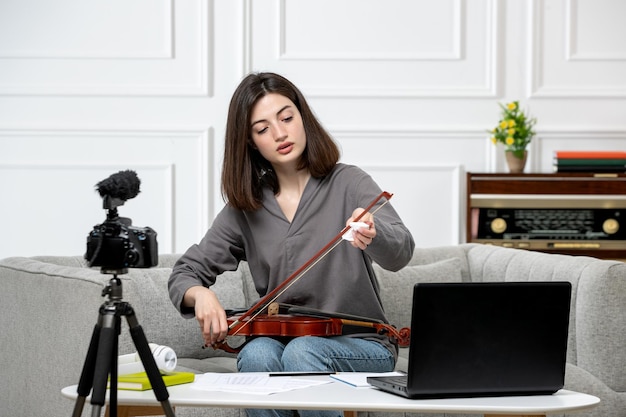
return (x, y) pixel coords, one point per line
(200, 366)
(426, 256)
(396, 288)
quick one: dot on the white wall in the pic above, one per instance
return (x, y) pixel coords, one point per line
(407, 87)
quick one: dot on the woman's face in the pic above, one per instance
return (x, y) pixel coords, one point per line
(277, 130)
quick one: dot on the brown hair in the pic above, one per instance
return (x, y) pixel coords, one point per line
(244, 171)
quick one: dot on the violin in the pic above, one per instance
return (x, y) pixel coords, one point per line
(254, 323)
(296, 325)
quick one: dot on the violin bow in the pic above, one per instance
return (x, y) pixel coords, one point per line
(306, 267)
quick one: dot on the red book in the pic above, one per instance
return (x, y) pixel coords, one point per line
(590, 154)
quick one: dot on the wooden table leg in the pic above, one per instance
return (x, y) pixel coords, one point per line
(137, 410)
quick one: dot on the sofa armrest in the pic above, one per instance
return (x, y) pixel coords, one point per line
(48, 316)
(601, 322)
(598, 317)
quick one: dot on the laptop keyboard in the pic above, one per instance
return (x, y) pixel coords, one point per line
(397, 379)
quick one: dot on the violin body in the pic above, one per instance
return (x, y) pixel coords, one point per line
(288, 325)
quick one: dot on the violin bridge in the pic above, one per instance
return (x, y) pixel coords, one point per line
(272, 309)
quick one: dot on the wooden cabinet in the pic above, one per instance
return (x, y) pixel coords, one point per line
(571, 213)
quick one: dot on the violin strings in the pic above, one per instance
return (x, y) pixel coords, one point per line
(252, 317)
(293, 281)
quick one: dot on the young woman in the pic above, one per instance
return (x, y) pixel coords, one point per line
(286, 198)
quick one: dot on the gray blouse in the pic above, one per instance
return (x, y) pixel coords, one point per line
(343, 281)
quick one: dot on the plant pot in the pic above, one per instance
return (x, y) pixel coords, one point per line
(516, 164)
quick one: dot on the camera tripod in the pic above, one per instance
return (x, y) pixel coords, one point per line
(101, 360)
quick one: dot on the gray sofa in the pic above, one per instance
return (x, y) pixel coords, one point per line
(49, 306)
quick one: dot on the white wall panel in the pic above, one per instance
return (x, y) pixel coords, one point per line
(403, 48)
(588, 40)
(49, 180)
(72, 47)
(571, 43)
(426, 198)
(412, 36)
(61, 205)
(60, 35)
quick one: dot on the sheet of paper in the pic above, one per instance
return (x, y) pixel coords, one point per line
(253, 383)
(359, 379)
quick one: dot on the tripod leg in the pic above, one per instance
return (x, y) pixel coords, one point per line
(86, 376)
(113, 373)
(108, 335)
(149, 364)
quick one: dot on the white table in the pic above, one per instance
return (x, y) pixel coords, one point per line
(340, 396)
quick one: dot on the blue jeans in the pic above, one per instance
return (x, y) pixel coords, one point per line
(310, 353)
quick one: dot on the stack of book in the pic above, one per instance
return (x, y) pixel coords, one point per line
(589, 161)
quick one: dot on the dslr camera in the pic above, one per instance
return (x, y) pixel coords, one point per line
(116, 244)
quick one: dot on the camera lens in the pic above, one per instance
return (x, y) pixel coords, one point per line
(132, 256)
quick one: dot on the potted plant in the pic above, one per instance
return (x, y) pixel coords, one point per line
(514, 131)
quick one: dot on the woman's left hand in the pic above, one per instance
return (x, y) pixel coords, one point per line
(363, 236)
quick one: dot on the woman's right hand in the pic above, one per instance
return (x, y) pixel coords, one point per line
(209, 313)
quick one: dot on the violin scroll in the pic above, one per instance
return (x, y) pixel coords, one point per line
(403, 336)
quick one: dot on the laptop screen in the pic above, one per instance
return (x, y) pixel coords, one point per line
(486, 338)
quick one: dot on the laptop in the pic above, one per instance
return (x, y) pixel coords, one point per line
(485, 339)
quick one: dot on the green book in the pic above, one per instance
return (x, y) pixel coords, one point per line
(141, 382)
(590, 162)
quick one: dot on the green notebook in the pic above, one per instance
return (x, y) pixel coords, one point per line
(141, 382)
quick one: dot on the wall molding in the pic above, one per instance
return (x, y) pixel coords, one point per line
(571, 40)
(165, 50)
(488, 88)
(166, 170)
(455, 54)
(169, 61)
(185, 173)
(536, 84)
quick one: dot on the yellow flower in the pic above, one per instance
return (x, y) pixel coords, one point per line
(514, 129)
